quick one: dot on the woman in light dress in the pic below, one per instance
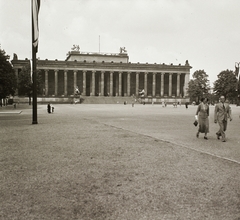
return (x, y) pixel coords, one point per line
(201, 116)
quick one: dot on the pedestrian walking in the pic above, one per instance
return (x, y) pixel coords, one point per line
(201, 116)
(221, 114)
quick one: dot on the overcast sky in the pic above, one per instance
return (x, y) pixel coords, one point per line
(204, 32)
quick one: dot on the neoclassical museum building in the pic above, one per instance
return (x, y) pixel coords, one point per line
(108, 75)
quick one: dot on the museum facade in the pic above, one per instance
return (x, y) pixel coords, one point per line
(108, 75)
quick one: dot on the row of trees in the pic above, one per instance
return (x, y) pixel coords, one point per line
(9, 82)
(227, 84)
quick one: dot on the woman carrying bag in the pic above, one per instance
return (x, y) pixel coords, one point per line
(201, 117)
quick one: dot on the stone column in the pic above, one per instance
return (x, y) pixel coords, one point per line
(154, 85)
(99, 84)
(93, 83)
(56, 82)
(46, 82)
(65, 83)
(186, 81)
(170, 85)
(120, 83)
(74, 80)
(137, 84)
(84, 82)
(128, 83)
(111, 83)
(16, 73)
(145, 82)
(102, 83)
(178, 84)
(162, 84)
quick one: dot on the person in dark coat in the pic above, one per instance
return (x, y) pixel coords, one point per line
(49, 108)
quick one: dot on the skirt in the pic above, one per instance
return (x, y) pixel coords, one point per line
(203, 125)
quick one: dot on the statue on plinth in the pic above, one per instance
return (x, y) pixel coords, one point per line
(123, 50)
(75, 48)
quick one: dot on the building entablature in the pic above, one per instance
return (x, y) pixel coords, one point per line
(129, 67)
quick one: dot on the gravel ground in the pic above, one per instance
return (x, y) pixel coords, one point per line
(117, 162)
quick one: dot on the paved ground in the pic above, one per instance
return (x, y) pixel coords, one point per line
(116, 162)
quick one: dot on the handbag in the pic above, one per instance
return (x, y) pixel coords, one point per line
(195, 123)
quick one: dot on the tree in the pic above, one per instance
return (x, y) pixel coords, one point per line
(198, 86)
(226, 85)
(8, 80)
(25, 85)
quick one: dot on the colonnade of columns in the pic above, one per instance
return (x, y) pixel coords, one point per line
(119, 81)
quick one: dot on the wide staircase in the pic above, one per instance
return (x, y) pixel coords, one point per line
(84, 100)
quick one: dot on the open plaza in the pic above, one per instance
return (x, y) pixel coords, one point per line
(116, 161)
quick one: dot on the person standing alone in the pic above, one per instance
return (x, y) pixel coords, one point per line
(221, 114)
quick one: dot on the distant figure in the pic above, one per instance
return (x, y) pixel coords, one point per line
(52, 109)
(186, 105)
(49, 108)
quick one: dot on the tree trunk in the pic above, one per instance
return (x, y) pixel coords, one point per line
(29, 100)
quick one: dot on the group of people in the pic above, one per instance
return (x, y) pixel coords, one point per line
(222, 113)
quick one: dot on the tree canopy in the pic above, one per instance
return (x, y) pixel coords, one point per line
(25, 85)
(226, 84)
(198, 86)
(8, 80)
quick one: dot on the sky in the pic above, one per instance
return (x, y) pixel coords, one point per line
(204, 32)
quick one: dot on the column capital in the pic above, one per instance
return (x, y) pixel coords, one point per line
(46, 70)
(75, 71)
(170, 74)
(56, 70)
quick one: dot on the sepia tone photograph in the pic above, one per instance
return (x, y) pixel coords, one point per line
(116, 109)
